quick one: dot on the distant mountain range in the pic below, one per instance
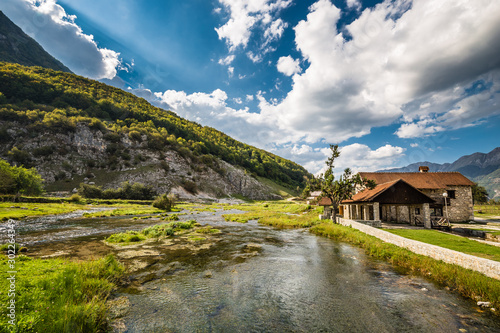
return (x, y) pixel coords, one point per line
(481, 168)
(17, 47)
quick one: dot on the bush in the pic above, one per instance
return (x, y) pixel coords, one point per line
(75, 198)
(165, 202)
(189, 186)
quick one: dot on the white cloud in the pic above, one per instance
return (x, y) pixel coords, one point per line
(288, 66)
(409, 59)
(249, 98)
(356, 4)
(50, 25)
(246, 16)
(227, 60)
(357, 157)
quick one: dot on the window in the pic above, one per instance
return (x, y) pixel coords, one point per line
(451, 194)
(417, 211)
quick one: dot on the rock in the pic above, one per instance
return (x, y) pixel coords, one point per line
(484, 304)
(91, 183)
(251, 247)
(118, 307)
(75, 190)
(207, 274)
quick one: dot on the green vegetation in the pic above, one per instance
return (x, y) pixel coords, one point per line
(207, 230)
(490, 211)
(156, 231)
(126, 210)
(479, 194)
(452, 242)
(278, 214)
(468, 283)
(19, 180)
(45, 101)
(136, 191)
(60, 296)
(10, 210)
(165, 202)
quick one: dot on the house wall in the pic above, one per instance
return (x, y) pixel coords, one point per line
(461, 208)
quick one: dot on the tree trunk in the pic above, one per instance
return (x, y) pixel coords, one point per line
(334, 213)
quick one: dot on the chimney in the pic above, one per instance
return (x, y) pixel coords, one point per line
(423, 168)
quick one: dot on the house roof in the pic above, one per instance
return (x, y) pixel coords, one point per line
(420, 180)
(369, 195)
(395, 192)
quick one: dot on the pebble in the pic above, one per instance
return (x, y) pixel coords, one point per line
(484, 304)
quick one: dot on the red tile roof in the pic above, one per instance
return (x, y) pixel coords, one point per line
(368, 195)
(421, 180)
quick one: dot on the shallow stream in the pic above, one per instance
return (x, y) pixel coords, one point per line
(252, 278)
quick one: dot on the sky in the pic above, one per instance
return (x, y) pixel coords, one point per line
(390, 82)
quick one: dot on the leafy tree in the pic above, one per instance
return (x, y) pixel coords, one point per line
(343, 188)
(479, 194)
(20, 180)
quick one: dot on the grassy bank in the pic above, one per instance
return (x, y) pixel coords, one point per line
(21, 210)
(277, 214)
(451, 242)
(59, 296)
(487, 211)
(466, 282)
(10, 210)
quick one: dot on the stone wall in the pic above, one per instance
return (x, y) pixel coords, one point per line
(487, 267)
(461, 208)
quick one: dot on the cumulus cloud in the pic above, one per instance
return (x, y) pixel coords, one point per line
(57, 32)
(288, 66)
(410, 60)
(248, 15)
(357, 157)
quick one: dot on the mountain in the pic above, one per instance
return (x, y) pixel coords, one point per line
(17, 47)
(481, 168)
(72, 129)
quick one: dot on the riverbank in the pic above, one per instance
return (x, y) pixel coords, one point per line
(58, 295)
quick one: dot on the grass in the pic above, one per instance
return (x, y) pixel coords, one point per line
(452, 242)
(487, 211)
(466, 282)
(278, 214)
(59, 296)
(12, 210)
(156, 231)
(126, 210)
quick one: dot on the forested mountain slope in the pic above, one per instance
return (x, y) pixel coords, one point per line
(68, 127)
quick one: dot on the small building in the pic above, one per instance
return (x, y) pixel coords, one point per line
(429, 199)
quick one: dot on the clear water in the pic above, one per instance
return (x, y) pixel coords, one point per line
(293, 282)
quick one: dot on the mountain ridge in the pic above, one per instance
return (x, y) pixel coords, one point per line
(18, 47)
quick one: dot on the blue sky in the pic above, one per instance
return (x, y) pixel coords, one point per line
(391, 82)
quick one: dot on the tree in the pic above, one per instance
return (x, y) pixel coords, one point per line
(343, 188)
(15, 180)
(479, 194)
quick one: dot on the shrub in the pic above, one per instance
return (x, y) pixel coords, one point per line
(75, 198)
(43, 151)
(165, 202)
(189, 186)
(135, 135)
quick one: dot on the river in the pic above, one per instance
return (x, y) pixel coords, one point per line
(253, 278)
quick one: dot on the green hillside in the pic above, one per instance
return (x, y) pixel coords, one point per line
(47, 101)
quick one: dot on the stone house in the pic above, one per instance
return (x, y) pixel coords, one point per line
(414, 198)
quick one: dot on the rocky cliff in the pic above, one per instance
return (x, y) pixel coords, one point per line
(88, 155)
